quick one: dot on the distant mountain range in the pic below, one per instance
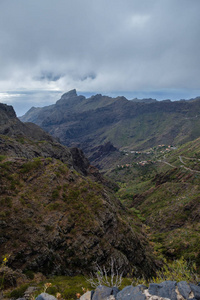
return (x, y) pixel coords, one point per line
(150, 148)
(90, 123)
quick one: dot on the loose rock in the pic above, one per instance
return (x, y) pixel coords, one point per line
(45, 296)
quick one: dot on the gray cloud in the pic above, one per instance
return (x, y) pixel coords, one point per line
(100, 46)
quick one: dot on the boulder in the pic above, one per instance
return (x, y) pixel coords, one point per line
(132, 293)
(184, 289)
(166, 289)
(115, 291)
(45, 296)
(30, 290)
(102, 292)
(86, 296)
(196, 291)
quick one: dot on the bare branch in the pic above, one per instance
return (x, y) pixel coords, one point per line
(111, 277)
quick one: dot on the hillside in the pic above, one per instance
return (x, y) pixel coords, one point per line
(91, 122)
(58, 215)
(161, 186)
(158, 175)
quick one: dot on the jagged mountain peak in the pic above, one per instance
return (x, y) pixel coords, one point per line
(6, 112)
(71, 93)
(69, 98)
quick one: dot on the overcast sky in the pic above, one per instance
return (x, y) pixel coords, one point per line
(136, 48)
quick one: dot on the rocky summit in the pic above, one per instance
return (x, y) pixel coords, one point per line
(58, 215)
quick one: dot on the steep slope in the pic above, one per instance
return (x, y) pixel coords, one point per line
(29, 141)
(171, 207)
(54, 219)
(162, 187)
(89, 123)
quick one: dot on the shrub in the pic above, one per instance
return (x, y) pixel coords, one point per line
(2, 157)
(29, 274)
(7, 201)
(55, 194)
(111, 276)
(18, 292)
(53, 206)
(178, 270)
(31, 165)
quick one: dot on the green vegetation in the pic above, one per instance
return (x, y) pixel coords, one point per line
(159, 186)
(18, 292)
(29, 274)
(165, 197)
(7, 201)
(2, 157)
(177, 270)
(31, 165)
(57, 205)
(67, 287)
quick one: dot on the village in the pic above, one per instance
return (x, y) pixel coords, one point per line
(157, 150)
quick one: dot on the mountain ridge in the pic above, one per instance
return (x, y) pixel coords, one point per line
(89, 123)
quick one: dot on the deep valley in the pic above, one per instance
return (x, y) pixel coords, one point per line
(115, 179)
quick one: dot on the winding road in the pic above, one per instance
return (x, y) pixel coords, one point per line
(182, 162)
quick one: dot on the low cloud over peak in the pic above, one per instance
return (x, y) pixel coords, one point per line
(106, 46)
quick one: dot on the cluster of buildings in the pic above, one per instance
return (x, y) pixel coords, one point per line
(124, 166)
(161, 148)
(141, 163)
(144, 162)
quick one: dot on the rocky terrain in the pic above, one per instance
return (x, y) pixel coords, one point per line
(57, 215)
(166, 290)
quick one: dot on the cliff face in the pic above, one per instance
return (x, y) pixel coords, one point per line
(54, 219)
(7, 112)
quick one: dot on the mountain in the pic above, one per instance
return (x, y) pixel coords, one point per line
(151, 150)
(29, 141)
(58, 214)
(134, 125)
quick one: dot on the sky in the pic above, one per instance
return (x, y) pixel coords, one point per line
(135, 48)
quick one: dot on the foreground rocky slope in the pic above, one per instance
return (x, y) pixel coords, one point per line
(56, 216)
(134, 125)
